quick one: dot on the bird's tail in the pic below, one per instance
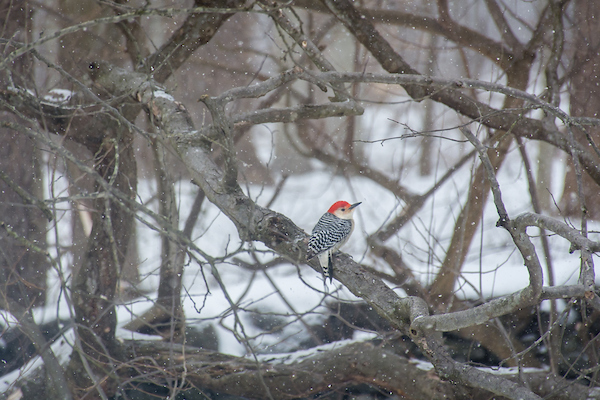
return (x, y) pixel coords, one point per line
(328, 271)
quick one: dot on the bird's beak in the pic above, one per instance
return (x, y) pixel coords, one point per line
(354, 205)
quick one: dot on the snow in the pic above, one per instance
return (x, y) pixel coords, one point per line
(163, 94)
(300, 355)
(512, 371)
(58, 96)
(422, 365)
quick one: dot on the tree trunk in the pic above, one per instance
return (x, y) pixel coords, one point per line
(94, 285)
(585, 101)
(22, 268)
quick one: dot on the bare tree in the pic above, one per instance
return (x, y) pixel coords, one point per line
(189, 93)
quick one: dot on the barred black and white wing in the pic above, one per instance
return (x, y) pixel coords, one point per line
(330, 233)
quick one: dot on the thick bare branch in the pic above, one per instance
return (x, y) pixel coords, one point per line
(304, 43)
(197, 30)
(108, 20)
(497, 52)
(498, 16)
(319, 371)
(366, 33)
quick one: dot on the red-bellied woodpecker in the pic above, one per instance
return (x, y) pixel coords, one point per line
(331, 232)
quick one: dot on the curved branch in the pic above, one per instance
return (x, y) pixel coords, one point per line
(578, 241)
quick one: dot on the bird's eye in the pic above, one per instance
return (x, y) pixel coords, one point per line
(343, 209)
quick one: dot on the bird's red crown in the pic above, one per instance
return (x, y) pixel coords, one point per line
(337, 205)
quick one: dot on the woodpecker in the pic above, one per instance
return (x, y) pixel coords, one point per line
(331, 232)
